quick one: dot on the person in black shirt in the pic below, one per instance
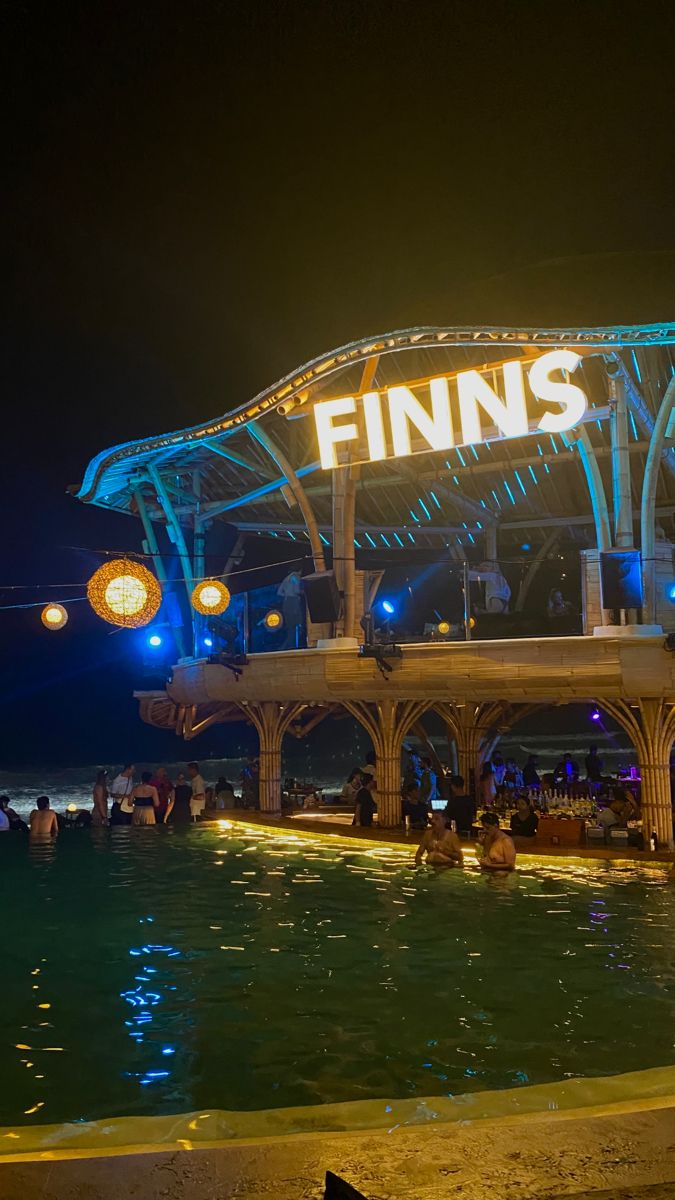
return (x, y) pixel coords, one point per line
(524, 822)
(182, 794)
(415, 807)
(530, 773)
(593, 765)
(365, 805)
(460, 807)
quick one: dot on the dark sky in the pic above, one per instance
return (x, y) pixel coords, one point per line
(199, 197)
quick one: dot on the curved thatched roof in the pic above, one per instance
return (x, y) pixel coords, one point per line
(523, 484)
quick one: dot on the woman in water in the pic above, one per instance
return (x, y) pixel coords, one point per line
(145, 800)
(182, 793)
(99, 815)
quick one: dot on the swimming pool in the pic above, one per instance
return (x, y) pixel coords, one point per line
(164, 971)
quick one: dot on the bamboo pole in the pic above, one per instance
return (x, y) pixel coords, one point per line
(647, 511)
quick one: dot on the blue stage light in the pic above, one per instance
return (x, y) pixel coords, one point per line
(595, 715)
(525, 546)
(154, 640)
(671, 591)
(388, 607)
(208, 642)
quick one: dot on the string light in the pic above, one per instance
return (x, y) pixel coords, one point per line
(54, 616)
(124, 593)
(210, 597)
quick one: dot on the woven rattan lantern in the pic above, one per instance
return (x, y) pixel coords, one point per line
(54, 616)
(124, 593)
(210, 597)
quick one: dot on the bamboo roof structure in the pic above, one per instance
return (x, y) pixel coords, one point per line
(257, 465)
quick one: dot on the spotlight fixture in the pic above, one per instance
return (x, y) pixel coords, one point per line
(443, 627)
(388, 608)
(273, 620)
(154, 640)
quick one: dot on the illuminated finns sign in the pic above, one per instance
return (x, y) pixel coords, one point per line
(458, 410)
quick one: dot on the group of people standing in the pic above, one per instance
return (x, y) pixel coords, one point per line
(155, 800)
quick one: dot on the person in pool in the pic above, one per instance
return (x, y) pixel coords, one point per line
(182, 793)
(43, 821)
(441, 846)
(499, 852)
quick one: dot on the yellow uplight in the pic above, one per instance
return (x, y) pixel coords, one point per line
(273, 619)
(210, 597)
(443, 627)
(54, 616)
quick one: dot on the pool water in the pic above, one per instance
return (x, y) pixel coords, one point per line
(157, 971)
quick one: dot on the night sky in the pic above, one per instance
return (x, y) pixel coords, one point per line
(199, 197)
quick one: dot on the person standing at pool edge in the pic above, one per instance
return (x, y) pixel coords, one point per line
(198, 798)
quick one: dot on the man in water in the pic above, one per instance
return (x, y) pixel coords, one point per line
(198, 799)
(499, 852)
(121, 788)
(42, 820)
(441, 846)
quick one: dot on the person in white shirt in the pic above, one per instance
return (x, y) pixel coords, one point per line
(120, 791)
(198, 798)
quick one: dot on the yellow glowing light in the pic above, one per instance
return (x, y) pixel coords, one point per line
(499, 401)
(567, 394)
(273, 619)
(210, 597)
(54, 616)
(443, 627)
(124, 593)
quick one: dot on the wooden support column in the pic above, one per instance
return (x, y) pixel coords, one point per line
(386, 723)
(662, 430)
(344, 521)
(271, 721)
(157, 560)
(472, 727)
(650, 724)
(621, 491)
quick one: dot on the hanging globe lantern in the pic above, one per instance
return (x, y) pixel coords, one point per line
(124, 593)
(54, 616)
(210, 597)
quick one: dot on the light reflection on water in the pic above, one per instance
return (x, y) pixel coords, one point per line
(160, 970)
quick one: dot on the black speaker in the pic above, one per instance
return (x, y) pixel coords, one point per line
(621, 578)
(322, 596)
